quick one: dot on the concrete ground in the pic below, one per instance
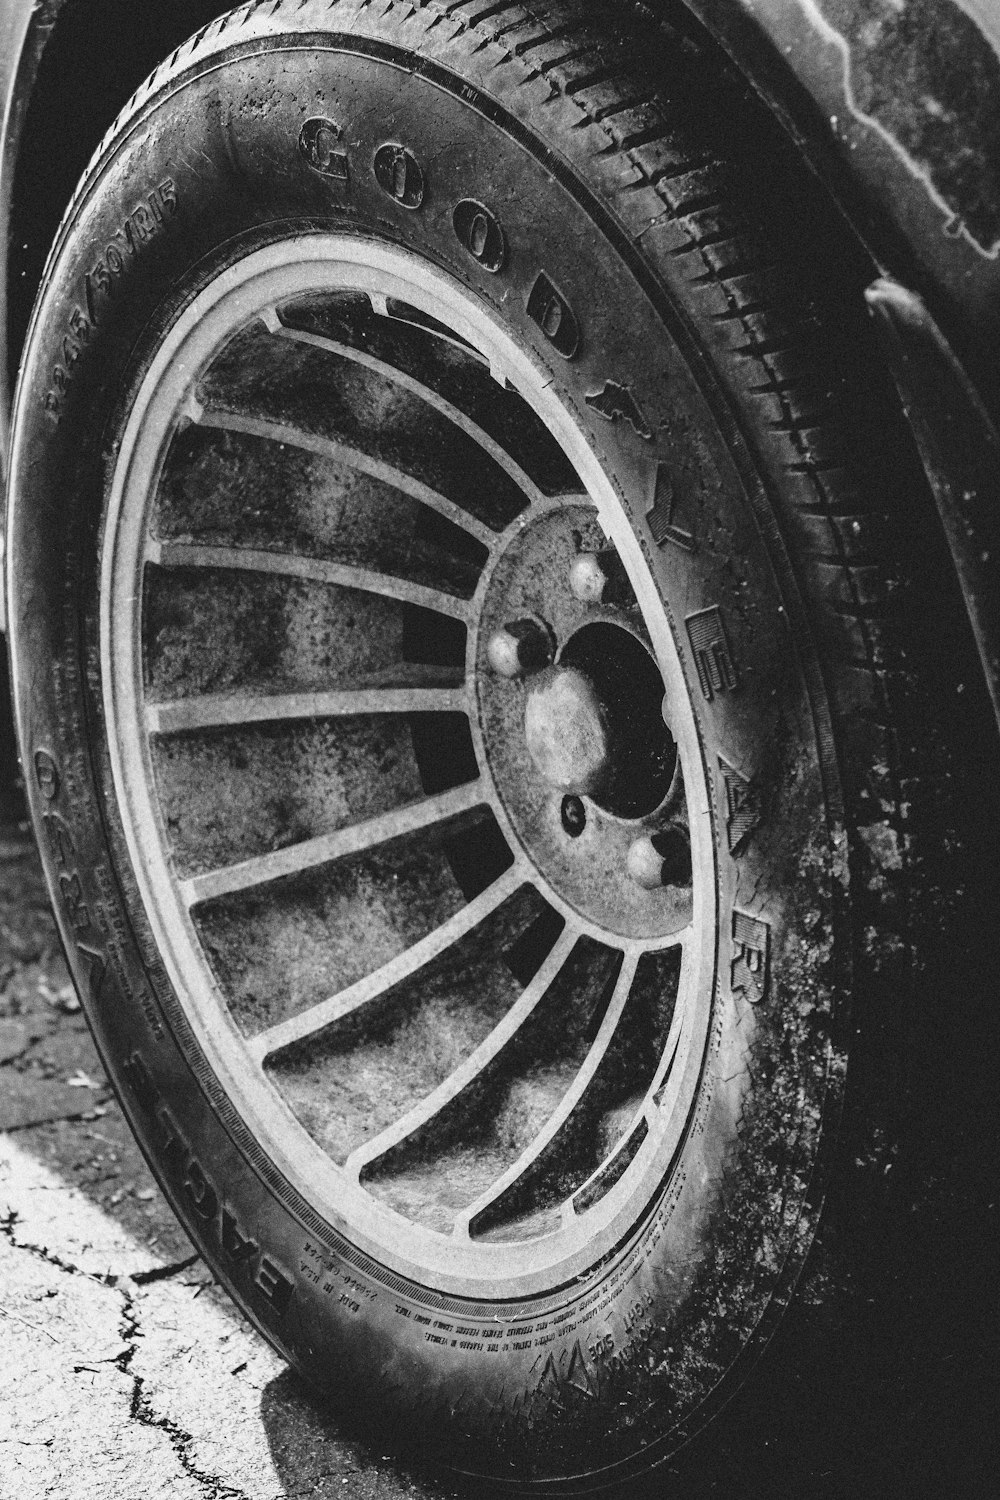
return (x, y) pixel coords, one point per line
(127, 1373)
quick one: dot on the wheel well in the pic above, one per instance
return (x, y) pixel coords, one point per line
(97, 54)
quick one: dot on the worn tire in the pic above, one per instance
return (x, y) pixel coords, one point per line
(671, 305)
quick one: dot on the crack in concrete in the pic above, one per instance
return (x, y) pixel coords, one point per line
(141, 1408)
(109, 1279)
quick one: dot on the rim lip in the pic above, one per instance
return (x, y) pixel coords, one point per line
(475, 1269)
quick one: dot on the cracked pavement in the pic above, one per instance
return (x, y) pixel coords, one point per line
(130, 1374)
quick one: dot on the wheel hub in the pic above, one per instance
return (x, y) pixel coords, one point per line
(571, 722)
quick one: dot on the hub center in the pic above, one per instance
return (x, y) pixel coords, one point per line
(617, 683)
(570, 725)
(565, 728)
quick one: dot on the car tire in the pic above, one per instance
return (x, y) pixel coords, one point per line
(456, 626)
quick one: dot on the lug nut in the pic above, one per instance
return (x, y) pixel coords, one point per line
(522, 647)
(589, 576)
(659, 859)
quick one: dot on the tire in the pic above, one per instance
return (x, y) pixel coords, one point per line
(452, 619)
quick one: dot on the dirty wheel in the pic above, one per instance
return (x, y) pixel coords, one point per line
(434, 519)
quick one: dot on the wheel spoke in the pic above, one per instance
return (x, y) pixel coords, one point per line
(572, 1097)
(216, 710)
(416, 387)
(643, 1115)
(351, 458)
(398, 969)
(394, 311)
(462, 803)
(314, 569)
(474, 1064)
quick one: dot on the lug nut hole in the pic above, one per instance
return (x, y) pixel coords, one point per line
(675, 852)
(574, 816)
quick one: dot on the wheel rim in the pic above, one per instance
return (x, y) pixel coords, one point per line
(582, 872)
